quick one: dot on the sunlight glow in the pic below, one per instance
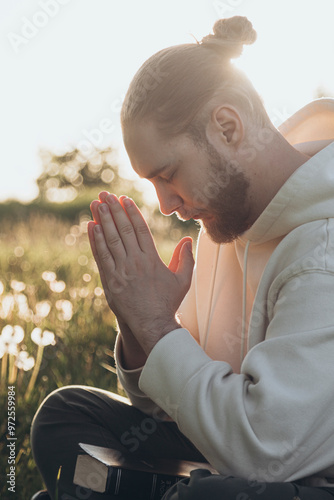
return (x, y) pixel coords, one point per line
(64, 85)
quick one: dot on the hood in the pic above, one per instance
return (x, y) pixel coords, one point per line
(308, 194)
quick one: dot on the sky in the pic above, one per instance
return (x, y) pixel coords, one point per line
(66, 65)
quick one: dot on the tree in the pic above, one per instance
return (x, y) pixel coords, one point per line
(67, 176)
(72, 181)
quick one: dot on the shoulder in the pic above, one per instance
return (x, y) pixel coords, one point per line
(306, 251)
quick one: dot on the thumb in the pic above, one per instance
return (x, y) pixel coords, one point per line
(174, 262)
(186, 264)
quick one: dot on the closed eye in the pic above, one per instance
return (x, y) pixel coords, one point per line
(169, 179)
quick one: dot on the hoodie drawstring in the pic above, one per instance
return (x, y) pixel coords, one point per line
(244, 304)
(209, 309)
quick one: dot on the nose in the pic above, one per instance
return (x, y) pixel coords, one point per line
(169, 201)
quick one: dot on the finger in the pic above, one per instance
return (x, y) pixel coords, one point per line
(112, 234)
(95, 205)
(142, 231)
(123, 224)
(121, 198)
(95, 212)
(91, 238)
(174, 262)
(185, 268)
(103, 195)
(105, 257)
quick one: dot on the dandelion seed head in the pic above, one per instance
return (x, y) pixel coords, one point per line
(17, 286)
(12, 334)
(7, 333)
(49, 276)
(43, 308)
(7, 348)
(57, 286)
(42, 338)
(24, 361)
(7, 305)
(21, 299)
(66, 310)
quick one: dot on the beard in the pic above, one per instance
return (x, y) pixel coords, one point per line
(225, 197)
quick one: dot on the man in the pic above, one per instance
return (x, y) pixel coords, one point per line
(232, 361)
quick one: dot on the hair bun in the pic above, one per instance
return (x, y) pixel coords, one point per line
(230, 34)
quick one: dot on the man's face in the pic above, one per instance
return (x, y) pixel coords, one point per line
(193, 180)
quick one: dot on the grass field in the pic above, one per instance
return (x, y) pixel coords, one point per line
(50, 293)
(48, 281)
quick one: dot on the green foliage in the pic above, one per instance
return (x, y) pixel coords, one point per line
(84, 333)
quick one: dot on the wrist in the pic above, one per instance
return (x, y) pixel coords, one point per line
(156, 332)
(131, 354)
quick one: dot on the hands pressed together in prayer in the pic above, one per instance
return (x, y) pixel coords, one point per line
(141, 290)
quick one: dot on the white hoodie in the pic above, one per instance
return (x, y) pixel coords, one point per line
(249, 379)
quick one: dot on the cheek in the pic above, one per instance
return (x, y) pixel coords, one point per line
(189, 186)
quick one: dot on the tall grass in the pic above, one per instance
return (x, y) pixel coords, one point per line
(56, 328)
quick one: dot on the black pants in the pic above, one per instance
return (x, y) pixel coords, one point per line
(77, 414)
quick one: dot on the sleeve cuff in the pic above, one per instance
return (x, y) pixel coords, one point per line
(173, 361)
(128, 378)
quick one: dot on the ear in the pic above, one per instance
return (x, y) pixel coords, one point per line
(227, 123)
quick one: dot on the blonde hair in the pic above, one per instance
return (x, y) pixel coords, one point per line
(175, 85)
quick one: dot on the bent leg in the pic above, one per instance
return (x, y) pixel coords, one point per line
(79, 414)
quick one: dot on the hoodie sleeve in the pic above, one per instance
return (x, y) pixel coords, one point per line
(129, 381)
(274, 420)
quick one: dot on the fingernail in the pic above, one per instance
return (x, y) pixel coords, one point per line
(127, 202)
(111, 198)
(104, 208)
(97, 228)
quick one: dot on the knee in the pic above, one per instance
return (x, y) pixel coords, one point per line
(53, 410)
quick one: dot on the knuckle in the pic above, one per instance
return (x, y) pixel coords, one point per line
(127, 229)
(113, 241)
(105, 257)
(142, 229)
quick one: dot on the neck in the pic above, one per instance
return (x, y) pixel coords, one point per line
(269, 170)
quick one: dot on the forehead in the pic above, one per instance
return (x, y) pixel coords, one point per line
(147, 149)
